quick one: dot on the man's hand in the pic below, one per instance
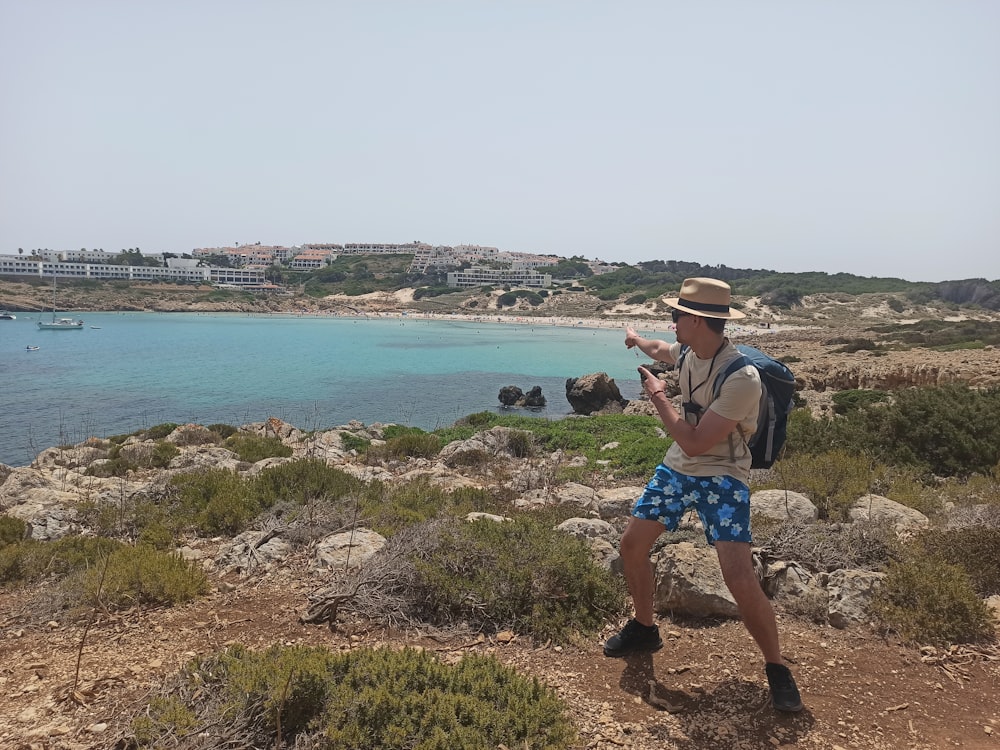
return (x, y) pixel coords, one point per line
(631, 337)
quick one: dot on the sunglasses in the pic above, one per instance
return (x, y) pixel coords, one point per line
(676, 315)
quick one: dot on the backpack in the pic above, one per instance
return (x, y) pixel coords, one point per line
(776, 401)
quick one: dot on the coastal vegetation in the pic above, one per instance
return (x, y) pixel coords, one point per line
(373, 698)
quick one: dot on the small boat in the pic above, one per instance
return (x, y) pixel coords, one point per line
(59, 324)
(95, 328)
(31, 348)
(4, 315)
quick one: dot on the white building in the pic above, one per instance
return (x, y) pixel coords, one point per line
(481, 276)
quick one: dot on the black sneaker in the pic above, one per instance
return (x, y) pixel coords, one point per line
(634, 637)
(784, 694)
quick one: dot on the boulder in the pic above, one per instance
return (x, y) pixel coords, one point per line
(616, 502)
(878, 508)
(784, 505)
(850, 596)
(533, 399)
(688, 581)
(589, 528)
(251, 551)
(592, 393)
(510, 394)
(348, 549)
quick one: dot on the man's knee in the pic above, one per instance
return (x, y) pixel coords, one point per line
(638, 540)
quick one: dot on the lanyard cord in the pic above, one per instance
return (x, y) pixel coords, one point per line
(711, 365)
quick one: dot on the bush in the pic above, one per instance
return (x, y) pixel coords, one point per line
(354, 442)
(948, 430)
(369, 698)
(387, 510)
(215, 501)
(869, 545)
(160, 431)
(845, 401)
(254, 448)
(927, 601)
(410, 443)
(976, 550)
(144, 576)
(31, 560)
(12, 530)
(520, 575)
(832, 480)
(304, 482)
(222, 430)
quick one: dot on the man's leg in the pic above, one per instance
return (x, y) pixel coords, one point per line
(639, 633)
(758, 617)
(755, 608)
(637, 541)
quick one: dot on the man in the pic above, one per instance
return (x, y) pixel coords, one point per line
(707, 467)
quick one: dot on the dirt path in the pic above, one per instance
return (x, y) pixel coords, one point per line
(709, 691)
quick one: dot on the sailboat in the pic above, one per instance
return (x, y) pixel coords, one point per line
(59, 324)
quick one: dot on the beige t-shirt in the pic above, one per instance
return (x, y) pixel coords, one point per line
(739, 399)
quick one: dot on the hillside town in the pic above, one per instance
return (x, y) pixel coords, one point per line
(246, 266)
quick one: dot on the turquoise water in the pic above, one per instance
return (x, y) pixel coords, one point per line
(128, 371)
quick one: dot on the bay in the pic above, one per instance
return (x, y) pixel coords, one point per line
(129, 371)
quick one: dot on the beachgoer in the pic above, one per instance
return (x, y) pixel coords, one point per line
(707, 467)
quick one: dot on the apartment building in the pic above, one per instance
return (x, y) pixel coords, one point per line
(482, 276)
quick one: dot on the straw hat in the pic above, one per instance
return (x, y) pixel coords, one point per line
(708, 298)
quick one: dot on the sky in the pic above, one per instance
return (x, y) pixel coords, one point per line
(857, 136)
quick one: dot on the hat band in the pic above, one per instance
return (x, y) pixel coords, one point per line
(703, 306)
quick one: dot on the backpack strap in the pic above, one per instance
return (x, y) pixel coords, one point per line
(737, 364)
(680, 357)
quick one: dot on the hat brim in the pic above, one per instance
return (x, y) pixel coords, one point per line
(732, 314)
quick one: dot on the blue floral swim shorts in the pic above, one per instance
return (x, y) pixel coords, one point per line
(723, 503)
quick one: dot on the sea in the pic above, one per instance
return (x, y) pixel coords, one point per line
(128, 371)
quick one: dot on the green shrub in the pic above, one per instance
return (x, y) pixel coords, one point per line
(303, 482)
(976, 550)
(222, 430)
(640, 446)
(387, 509)
(410, 444)
(216, 501)
(12, 530)
(354, 442)
(31, 560)
(368, 698)
(521, 575)
(927, 601)
(254, 448)
(832, 480)
(160, 431)
(947, 430)
(141, 576)
(845, 401)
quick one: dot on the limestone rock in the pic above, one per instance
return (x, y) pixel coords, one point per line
(784, 505)
(688, 581)
(348, 549)
(593, 393)
(878, 508)
(851, 593)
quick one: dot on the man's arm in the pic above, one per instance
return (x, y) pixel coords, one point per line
(694, 440)
(652, 348)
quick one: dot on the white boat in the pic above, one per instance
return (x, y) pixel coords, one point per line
(59, 324)
(4, 315)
